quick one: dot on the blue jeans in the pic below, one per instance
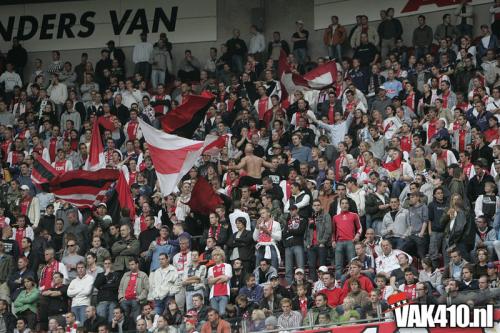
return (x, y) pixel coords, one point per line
(260, 255)
(160, 305)
(496, 224)
(79, 312)
(105, 309)
(420, 51)
(292, 252)
(344, 252)
(335, 51)
(397, 242)
(157, 76)
(219, 303)
(131, 308)
(237, 61)
(374, 224)
(300, 55)
(316, 256)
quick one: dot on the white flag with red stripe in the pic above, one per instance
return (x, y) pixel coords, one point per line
(318, 78)
(216, 143)
(96, 159)
(172, 156)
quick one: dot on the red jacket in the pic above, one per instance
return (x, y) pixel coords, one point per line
(335, 296)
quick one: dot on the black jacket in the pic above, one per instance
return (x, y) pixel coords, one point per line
(10, 321)
(221, 239)
(17, 56)
(107, 286)
(56, 304)
(372, 203)
(127, 325)
(147, 236)
(293, 233)
(245, 245)
(92, 326)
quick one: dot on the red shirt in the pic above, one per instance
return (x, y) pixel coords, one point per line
(364, 282)
(220, 289)
(346, 226)
(262, 105)
(335, 296)
(130, 292)
(410, 290)
(303, 307)
(25, 204)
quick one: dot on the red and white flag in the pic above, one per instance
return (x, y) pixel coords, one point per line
(216, 143)
(319, 78)
(172, 156)
(96, 159)
(322, 76)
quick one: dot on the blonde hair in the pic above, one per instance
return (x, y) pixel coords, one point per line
(219, 251)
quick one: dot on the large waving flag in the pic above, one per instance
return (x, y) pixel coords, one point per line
(96, 159)
(310, 84)
(185, 119)
(319, 78)
(172, 155)
(204, 199)
(42, 173)
(80, 188)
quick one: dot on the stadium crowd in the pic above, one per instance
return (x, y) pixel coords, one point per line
(386, 181)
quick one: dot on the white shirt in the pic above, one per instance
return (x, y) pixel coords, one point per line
(257, 43)
(11, 80)
(143, 52)
(128, 98)
(58, 93)
(80, 290)
(486, 41)
(390, 262)
(234, 215)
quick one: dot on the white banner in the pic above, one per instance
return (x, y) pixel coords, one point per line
(91, 24)
(347, 10)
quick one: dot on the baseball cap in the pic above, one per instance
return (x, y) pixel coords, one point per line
(102, 204)
(299, 270)
(273, 276)
(382, 87)
(25, 187)
(293, 207)
(323, 269)
(299, 22)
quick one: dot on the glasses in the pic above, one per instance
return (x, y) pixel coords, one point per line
(71, 245)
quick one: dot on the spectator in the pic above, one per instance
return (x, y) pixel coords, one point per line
(80, 290)
(142, 57)
(215, 323)
(446, 29)
(133, 290)
(27, 301)
(18, 56)
(333, 37)
(300, 38)
(162, 283)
